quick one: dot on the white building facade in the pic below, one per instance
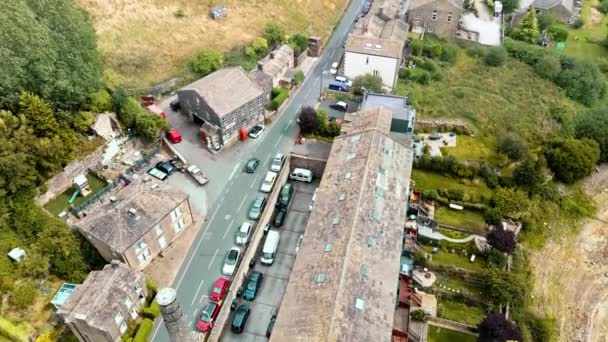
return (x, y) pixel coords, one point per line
(357, 64)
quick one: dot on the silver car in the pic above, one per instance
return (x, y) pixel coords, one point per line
(232, 261)
(277, 162)
(243, 235)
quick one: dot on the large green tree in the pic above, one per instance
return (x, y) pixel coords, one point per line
(207, 61)
(367, 82)
(47, 48)
(527, 29)
(572, 159)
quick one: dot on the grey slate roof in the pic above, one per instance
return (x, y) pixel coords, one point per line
(548, 4)
(226, 90)
(413, 4)
(343, 286)
(115, 226)
(276, 60)
(374, 46)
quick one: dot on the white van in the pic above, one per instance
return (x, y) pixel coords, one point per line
(302, 175)
(270, 247)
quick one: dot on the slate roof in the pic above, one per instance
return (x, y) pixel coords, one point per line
(226, 90)
(276, 60)
(374, 46)
(413, 4)
(115, 226)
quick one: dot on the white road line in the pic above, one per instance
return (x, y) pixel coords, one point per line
(254, 182)
(234, 170)
(197, 291)
(242, 202)
(192, 257)
(308, 92)
(202, 298)
(288, 125)
(277, 142)
(213, 216)
(211, 262)
(266, 161)
(227, 230)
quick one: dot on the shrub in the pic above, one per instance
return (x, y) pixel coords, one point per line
(11, 332)
(572, 159)
(496, 56)
(578, 23)
(101, 101)
(144, 330)
(512, 145)
(476, 51)
(207, 62)
(298, 77)
(298, 43)
(24, 296)
(546, 20)
(449, 53)
(419, 315)
(275, 92)
(417, 47)
(456, 194)
(274, 34)
(581, 80)
(603, 7)
(152, 311)
(548, 67)
(179, 13)
(279, 99)
(496, 258)
(558, 33)
(419, 258)
(502, 240)
(492, 216)
(152, 289)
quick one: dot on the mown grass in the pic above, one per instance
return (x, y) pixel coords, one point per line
(461, 218)
(468, 148)
(459, 312)
(510, 97)
(448, 259)
(438, 334)
(432, 181)
(585, 42)
(60, 202)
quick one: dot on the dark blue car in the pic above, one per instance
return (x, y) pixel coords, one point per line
(253, 285)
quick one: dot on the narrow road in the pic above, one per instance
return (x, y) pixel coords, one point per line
(228, 208)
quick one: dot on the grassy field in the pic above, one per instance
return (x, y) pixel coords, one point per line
(585, 42)
(449, 259)
(510, 97)
(147, 41)
(60, 203)
(467, 288)
(459, 312)
(431, 181)
(461, 218)
(437, 334)
(468, 148)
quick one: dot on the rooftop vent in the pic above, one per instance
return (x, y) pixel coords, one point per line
(348, 175)
(342, 196)
(355, 138)
(365, 271)
(371, 242)
(320, 278)
(336, 220)
(360, 304)
(328, 247)
(113, 199)
(376, 216)
(133, 212)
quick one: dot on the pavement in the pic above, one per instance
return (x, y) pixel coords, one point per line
(229, 193)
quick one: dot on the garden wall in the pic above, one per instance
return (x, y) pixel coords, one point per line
(443, 125)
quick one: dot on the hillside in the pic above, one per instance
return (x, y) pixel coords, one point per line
(148, 41)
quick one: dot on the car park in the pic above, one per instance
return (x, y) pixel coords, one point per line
(268, 182)
(277, 162)
(220, 288)
(252, 165)
(240, 319)
(334, 68)
(340, 105)
(257, 207)
(242, 237)
(254, 283)
(273, 319)
(232, 261)
(285, 196)
(165, 167)
(158, 174)
(208, 315)
(256, 131)
(279, 217)
(174, 136)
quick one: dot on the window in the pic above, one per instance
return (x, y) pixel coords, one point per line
(376, 216)
(179, 225)
(449, 19)
(158, 229)
(144, 256)
(259, 101)
(128, 302)
(342, 196)
(320, 278)
(434, 15)
(133, 313)
(140, 246)
(382, 170)
(371, 242)
(328, 247)
(376, 73)
(137, 288)
(336, 220)
(119, 319)
(123, 327)
(388, 151)
(360, 304)
(429, 29)
(355, 138)
(379, 192)
(418, 16)
(348, 175)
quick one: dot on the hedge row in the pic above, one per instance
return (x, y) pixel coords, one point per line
(278, 100)
(144, 330)
(11, 332)
(151, 311)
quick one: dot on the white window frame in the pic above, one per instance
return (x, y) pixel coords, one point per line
(123, 327)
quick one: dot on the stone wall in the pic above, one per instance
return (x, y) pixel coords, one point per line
(60, 182)
(443, 125)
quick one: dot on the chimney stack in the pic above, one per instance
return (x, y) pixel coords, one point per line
(260, 66)
(173, 316)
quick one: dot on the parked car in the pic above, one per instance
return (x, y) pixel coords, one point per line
(232, 260)
(220, 287)
(312, 202)
(343, 79)
(240, 319)
(273, 319)
(175, 106)
(340, 105)
(198, 175)
(268, 182)
(302, 175)
(271, 244)
(257, 207)
(334, 68)
(208, 315)
(279, 217)
(339, 86)
(252, 165)
(285, 196)
(165, 167)
(256, 131)
(174, 136)
(242, 238)
(158, 174)
(254, 283)
(277, 162)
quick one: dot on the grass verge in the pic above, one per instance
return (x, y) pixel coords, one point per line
(468, 148)
(438, 334)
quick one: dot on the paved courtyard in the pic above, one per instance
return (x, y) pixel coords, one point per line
(445, 141)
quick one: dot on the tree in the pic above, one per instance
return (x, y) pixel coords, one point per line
(581, 80)
(496, 258)
(512, 145)
(417, 47)
(84, 121)
(527, 30)
(419, 258)
(508, 6)
(308, 120)
(24, 296)
(260, 45)
(546, 19)
(530, 173)
(274, 34)
(419, 315)
(298, 43)
(148, 125)
(48, 49)
(593, 124)
(207, 61)
(572, 159)
(101, 101)
(129, 112)
(511, 202)
(39, 115)
(322, 122)
(502, 240)
(496, 328)
(492, 216)
(499, 287)
(496, 56)
(367, 82)
(548, 67)
(298, 77)
(35, 264)
(558, 33)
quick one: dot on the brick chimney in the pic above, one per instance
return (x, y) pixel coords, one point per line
(173, 316)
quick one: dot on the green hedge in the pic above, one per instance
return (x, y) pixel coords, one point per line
(11, 332)
(279, 99)
(151, 311)
(144, 331)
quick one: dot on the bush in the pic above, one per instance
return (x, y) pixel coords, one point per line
(512, 145)
(578, 23)
(279, 99)
(603, 7)
(298, 43)
(11, 332)
(476, 51)
(152, 311)
(152, 290)
(24, 296)
(572, 159)
(207, 62)
(418, 315)
(101, 102)
(298, 77)
(145, 329)
(275, 92)
(548, 67)
(417, 47)
(449, 54)
(558, 33)
(582, 80)
(496, 258)
(456, 194)
(419, 258)
(496, 56)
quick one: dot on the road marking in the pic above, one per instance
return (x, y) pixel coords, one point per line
(222, 199)
(213, 216)
(308, 92)
(277, 142)
(288, 125)
(267, 160)
(211, 262)
(202, 299)
(242, 202)
(254, 182)
(234, 170)
(227, 230)
(197, 291)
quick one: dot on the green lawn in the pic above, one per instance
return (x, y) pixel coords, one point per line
(60, 203)
(438, 334)
(459, 312)
(468, 219)
(449, 259)
(432, 181)
(585, 42)
(468, 288)
(468, 148)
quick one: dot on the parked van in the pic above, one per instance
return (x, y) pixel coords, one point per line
(302, 175)
(285, 196)
(339, 86)
(270, 247)
(344, 80)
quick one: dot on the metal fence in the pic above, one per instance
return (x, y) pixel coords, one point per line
(92, 199)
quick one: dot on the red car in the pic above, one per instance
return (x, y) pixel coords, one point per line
(208, 315)
(219, 289)
(174, 136)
